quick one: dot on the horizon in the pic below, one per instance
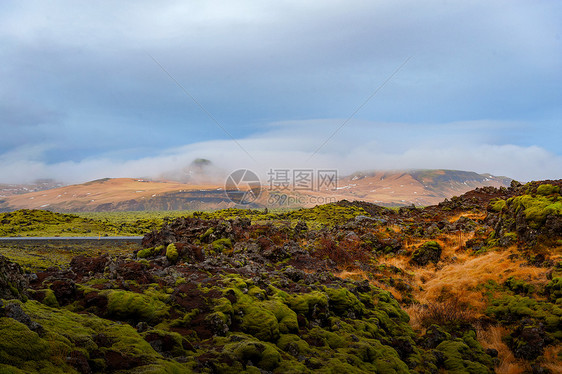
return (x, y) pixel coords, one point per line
(220, 179)
(142, 89)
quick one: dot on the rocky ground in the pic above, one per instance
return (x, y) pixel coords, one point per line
(472, 285)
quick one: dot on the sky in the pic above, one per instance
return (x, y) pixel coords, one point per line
(142, 88)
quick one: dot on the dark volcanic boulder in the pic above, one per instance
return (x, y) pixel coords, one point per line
(13, 284)
(64, 290)
(528, 340)
(434, 336)
(426, 253)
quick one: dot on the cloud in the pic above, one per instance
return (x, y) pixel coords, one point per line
(290, 145)
(79, 85)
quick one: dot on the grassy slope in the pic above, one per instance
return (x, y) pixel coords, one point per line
(45, 223)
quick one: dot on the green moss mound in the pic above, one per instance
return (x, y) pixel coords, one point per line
(65, 334)
(32, 222)
(131, 305)
(428, 252)
(536, 208)
(510, 310)
(172, 253)
(263, 355)
(220, 245)
(328, 214)
(547, 189)
(554, 290)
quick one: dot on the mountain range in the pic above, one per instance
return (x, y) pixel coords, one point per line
(387, 188)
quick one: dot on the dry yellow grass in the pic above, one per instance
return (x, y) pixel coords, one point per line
(458, 277)
(415, 313)
(552, 362)
(460, 273)
(471, 215)
(452, 244)
(492, 338)
(461, 278)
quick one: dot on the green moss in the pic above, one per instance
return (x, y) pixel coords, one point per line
(304, 304)
(512, 236)
(336, 365)
(8, 369)
(150, 252)
(429, 251)
(286, 318)
(260, 323)
(328, 214)
(330, 339)
(132, 305)
(264, 355)
(519, 286)
(64, 332)
(45, 223)
(554, 289)
(223, 305)
(19, 344)
(173, 339)
(459, 358)
(388, 304)
(205, 235)
(291, 367)
(512, 309)
(50, 298)
(185, 320)
(172, 253)
(220, 245)
(536, 209)
(144, 253)
(498, 205)
(293, 345)
(547, 189)
(384, 358)
(256, 292)
(343, 302)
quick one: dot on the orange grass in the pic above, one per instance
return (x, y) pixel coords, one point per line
(492, 338)
(552, 362)
(472, 215)
(457, 279)
(462, 278)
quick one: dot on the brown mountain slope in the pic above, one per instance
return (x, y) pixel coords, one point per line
(396, 188)
(418, 187)
(102, 195)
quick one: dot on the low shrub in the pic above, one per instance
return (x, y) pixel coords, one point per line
(451, 312)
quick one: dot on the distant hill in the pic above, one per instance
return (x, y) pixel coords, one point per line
(390, 188)
(418, 187)
(18, 189)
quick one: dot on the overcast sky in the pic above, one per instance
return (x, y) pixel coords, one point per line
(86, 90)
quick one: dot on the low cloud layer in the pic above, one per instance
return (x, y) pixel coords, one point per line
(292, 144)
